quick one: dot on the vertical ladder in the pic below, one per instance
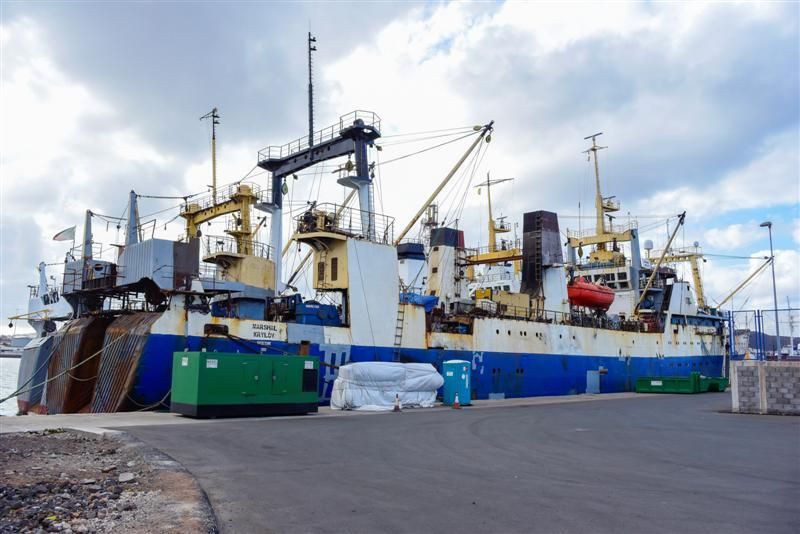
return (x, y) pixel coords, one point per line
(371, 232)
(537, 255)
(398, 331)
(398, 328)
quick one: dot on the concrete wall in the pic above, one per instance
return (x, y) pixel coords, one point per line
(766, 387)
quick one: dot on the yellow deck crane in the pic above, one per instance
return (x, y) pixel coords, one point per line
(693, 256)
(241, 258)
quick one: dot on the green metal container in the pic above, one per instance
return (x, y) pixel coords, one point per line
(224, 384)
(714, 383)
(693, 383)
(669, 384)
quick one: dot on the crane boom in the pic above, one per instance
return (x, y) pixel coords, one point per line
(660, 261)
(484, 130)
(746, 281)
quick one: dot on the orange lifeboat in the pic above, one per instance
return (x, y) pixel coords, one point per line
(583, 293)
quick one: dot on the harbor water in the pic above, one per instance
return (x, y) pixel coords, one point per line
(9, 367)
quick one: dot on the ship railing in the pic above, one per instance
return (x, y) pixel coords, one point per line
(573, 318)
(210, 271)
(609, 229)
(610, 204)
(368, 118)
(495, 277)
(681, 251)
(214, 244)
(502, 246)
(33, 291)
(98, 251)
(411, 241)
(601, 265)
(224, 194)
(352, 222)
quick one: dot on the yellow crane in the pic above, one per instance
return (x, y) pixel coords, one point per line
(240, 199)
(249, 263)
(693, 256)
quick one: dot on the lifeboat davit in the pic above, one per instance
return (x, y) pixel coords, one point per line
(583, 293)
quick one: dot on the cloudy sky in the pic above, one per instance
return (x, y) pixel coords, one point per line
(698, 104)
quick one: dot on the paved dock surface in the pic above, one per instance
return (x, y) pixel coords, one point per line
(644, 464)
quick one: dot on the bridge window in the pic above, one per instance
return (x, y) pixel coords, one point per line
(334, 269)
(321, 271)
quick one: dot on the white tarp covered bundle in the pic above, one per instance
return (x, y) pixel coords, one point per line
(373, 385)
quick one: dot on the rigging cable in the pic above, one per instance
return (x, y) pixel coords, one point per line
(429, 148)
(427, 132)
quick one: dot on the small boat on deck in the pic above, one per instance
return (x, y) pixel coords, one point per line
(584, 293)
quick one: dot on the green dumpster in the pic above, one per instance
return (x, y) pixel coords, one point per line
(693, 383)
(713, 383)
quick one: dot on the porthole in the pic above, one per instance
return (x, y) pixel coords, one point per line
(497, 331)
(509, 332)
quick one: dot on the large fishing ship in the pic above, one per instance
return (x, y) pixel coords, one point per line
(533, 315)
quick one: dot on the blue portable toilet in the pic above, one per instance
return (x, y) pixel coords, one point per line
(456, 380)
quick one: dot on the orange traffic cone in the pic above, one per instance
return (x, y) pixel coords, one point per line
(456, 404)
(397, 407)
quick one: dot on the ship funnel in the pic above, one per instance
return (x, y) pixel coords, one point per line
(541, 248)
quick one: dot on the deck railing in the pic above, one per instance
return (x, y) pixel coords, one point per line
(368, 118)
(348, 221)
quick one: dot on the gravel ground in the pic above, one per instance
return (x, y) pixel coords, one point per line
(66, 481)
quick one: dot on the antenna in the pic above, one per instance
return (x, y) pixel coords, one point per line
(311, 48)
(214, 116)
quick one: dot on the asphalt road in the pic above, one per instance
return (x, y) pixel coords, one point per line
(652, 464)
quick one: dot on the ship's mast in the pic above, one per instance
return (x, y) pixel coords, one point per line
(494, 229)
(214, 116)
(598, 200)
(311, 48)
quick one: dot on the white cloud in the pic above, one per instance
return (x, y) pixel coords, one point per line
(63, 145)
(60, 137)
(796, 231)
(771, 179)
(732, 236)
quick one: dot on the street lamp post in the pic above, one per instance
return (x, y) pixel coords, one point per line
(768, 225)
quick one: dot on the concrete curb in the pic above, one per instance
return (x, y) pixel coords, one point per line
(161, 461)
